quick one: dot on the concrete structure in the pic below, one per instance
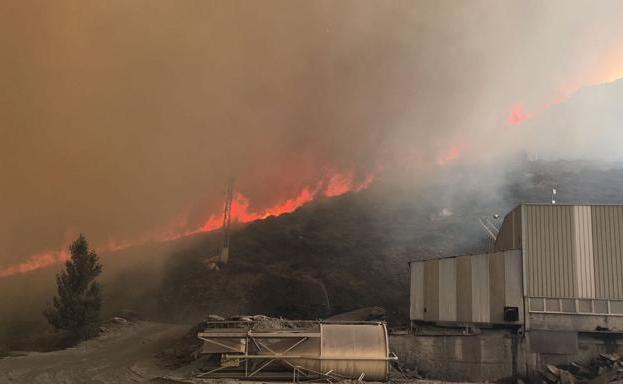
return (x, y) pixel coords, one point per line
(458, 357)
(553, 285)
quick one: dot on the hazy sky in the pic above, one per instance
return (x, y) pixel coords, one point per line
(119, 117)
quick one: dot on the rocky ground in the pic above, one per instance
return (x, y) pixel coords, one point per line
(123, 353)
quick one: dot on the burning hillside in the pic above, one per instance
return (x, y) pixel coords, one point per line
(334, 185)
(126, 132)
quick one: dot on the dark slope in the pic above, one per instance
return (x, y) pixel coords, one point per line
(354, 249)
(332, 255)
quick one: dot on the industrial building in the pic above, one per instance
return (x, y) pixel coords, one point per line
(550, 292)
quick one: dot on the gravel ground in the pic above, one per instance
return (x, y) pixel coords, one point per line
(123, 354)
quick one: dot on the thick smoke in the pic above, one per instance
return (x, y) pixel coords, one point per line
(119, 118)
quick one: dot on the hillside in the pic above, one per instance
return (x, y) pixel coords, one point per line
(332, 255)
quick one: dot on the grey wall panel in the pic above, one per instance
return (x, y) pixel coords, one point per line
(447, 289)
(513, 281)
(510, 232)
(549, 250)
(481, 312)
(497, 272)
(431, 290)
(583, 251)
(607, 225)
(416, 311)
(464, 288)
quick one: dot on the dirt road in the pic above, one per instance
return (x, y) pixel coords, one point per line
(123, 354)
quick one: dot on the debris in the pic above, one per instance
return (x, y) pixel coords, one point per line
(362, 314)
(119, 320)
(607, 368)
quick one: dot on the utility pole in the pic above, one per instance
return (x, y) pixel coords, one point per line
(223, 253)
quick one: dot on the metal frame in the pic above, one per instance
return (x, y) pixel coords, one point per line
(257, 362)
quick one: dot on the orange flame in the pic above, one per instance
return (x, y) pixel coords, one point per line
(38, 261)
(337, 184)
(452, 154)
(518, 114)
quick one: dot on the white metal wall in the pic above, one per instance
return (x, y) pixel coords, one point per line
(467, 288)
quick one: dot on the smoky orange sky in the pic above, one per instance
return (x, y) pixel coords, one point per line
(119, 118)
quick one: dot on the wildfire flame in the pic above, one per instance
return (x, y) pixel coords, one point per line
(518, 114)
(333, 185)
(453, 153)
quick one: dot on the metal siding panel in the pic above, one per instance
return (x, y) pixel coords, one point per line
(497, 287)
(617, 243)
(536, 228)
(481, 311)
(509, 236)
(598, 251)
(447, 289)
(554, 243)
(618, 252)
(524, 252)
(611, 243)
(560, 267)
(607, 251)
(531, 263)
(528, 249)
(431, 290)
(464, 288)
(614, 253)
(536, 253)
(417, 291)
(571, 272)
(549, 251)
(513, 291)
(583, 252)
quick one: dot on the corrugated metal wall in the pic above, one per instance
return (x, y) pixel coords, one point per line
(548, 248)
(560, 252)
(467, 288)
(447, 289)
(569, 251)
(583, 251)
(607, 235)
(510, 232)
(480, 288)
(431, 290)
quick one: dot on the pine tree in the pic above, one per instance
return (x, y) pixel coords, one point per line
(76, 307)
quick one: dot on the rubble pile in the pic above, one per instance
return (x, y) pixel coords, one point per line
(607, 368)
